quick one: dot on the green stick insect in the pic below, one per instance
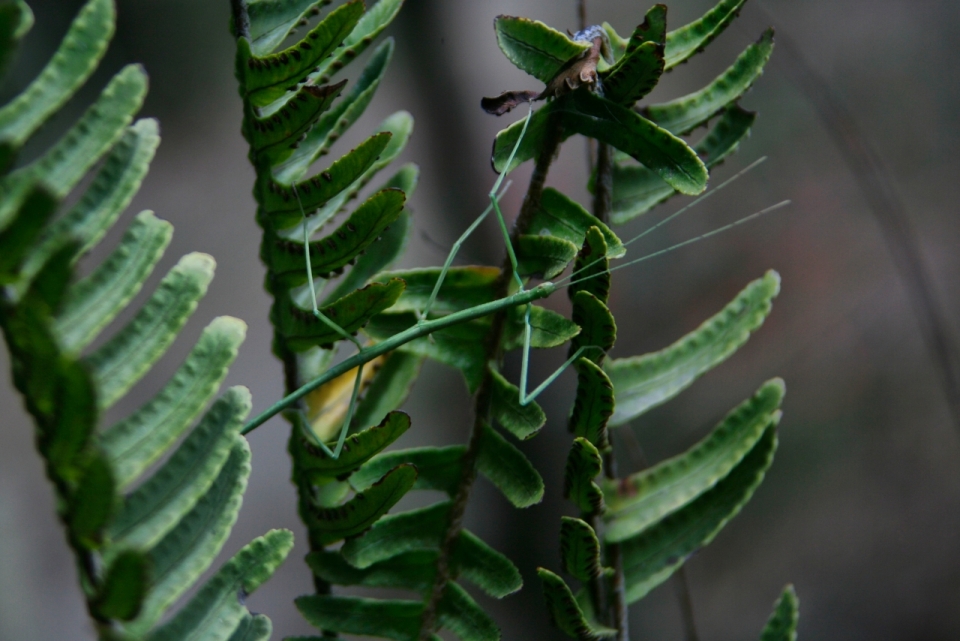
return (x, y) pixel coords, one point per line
(425, 326)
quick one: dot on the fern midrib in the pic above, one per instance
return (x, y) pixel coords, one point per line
(482, 402)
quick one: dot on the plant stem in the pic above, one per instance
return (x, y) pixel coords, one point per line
(680, 583)
(241, 19)
(617, 597)
(603, 191)
(685, 600)
(482, 400)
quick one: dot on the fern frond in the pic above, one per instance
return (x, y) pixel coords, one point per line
(138, 551)
(645, 525)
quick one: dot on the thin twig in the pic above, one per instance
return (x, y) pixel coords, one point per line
(682, 588)
(484, 393)
(890, 212)
(680, 583)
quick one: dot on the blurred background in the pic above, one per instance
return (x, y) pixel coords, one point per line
(861, 509)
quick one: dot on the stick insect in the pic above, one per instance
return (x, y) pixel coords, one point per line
(424, 326)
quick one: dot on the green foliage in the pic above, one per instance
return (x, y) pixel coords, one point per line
(644, 382)
(782, 624)
(294, 112)
(653, 520)
(291, 119)
(137, 552)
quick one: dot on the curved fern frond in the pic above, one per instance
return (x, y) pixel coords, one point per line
(138, 551)
(645, 525)
(348, 498)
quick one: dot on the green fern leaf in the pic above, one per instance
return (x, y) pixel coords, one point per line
(92, 504)
(396, 534)
(273, 138)
(124, 587)
(157, 505)
(33, 211)
(508, 469)
(96, 300)
(78, 55)
(547, 328)
(108, 195)
(371, 25)
(523, 421)
(565, 611)
(692, 38)
(268, 78)
(338, 249)
(644, 382)
(129, 354)
(460, 614)
(136, 442)
(534, 47)
(689, 112)
(386, 618)
(332, 524)
(271, 21)
(16, 19)
(462, 287)
(579, 549)
(460, 346)
(389, 389)
(411, 571)
(583, 466)
(186, 551)
(286, 206)
(483, 566)
(593, 405)
(651, 557)
(637, 189)
(564, 218)
(438, 468)
(334, 122)
(782, 624)
(100, 127)
(642, 499)
(593, 116)
(597, 327)
(217, 609)
(591, 270)
(635, 74)
(392, 241)
(304, 330)
(358, 449)
(543, 256)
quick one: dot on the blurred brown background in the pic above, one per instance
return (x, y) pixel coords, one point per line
(861, 509)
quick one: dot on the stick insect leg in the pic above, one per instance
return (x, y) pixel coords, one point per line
(335, 454)
(525, 398)
(495, 195)
(422, 315)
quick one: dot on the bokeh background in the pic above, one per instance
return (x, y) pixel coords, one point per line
(861, 510)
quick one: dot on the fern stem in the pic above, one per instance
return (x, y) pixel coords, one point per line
(616, 602)
(241, 18)
(603, 194)
(483, 398)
